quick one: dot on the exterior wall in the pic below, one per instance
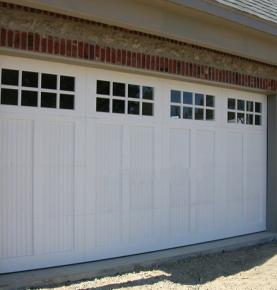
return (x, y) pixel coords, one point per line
(272, 164)
(109, 36)
(54, 34)
(168, 19)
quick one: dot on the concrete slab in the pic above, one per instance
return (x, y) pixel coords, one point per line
(90, 270)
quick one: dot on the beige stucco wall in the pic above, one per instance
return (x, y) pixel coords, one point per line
(170, 20)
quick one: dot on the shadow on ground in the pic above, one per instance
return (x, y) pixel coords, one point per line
(193, 271)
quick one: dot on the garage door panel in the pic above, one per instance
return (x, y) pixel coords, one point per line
(108, 190)
(141, 162)
(205, 144)
(235, 215)
(220, 216)
(254, 211)
(204, 168)
(204, 215)
(255, 168)
(108, 166)
(180, 189)
(54, 234)
(204, 188)
(108, 230)
(54, 186)
(180, 148)
(179, 170)
(56, 189)
(234, 166)
(255, 146)
(254, 182)
(56, 143)
(141, 226)
(89, 232)
(108, 186)
(220, 169)
(235, 149)
(161, 224)
(16, 188)
(180, 221)
(54, 169)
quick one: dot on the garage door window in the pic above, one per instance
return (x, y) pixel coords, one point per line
(193, 106)
(244, 112)
(122, 98)
(34, 89)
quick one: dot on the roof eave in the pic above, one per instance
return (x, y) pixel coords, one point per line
(230, 14)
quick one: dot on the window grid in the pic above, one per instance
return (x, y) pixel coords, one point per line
(58, 91)
(19, 89)
(248, 115)
(193, 106)
(38, 89)
(128, 100)
(39, 95)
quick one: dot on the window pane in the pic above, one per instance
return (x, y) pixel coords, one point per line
(258, 107)
(209, 101)
(199, 114)
(9, 77)
(199, 99)
(102, 105)
(103, 88)
(147, 109)
(249, 119)
(258, 120)
(119, 106)
(240, 118)
(249, 106)
(67, 83)
(133, 91)
(9, 97)
(187, 113)
(29, 98)
(119, 89)
(232, 104)
(187, 98)
(133, 108)
(147, 93)
(48, 100)
(49, 81)
(231, 117)
(175, 112)
(66, 101)
(29, 79)
(240, 105)
(209, 114)
(175, 96)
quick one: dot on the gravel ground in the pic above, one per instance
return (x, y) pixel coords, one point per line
(251, 268)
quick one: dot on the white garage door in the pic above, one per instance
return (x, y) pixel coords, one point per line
(98, 164)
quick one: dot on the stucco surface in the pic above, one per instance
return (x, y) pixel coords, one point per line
(118, 38)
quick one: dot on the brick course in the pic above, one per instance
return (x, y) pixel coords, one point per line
(56, 44)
